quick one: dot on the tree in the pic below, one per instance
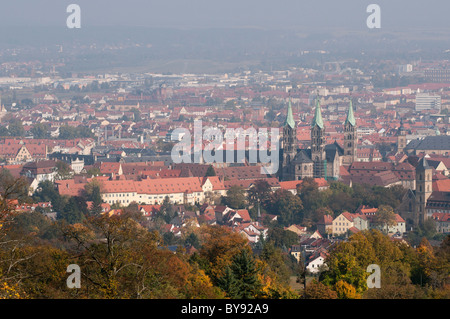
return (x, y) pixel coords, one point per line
(348, 261)
(30, 223)
(311, 197)
(97, 201)
(210, 171)
(276, 262)
(4, 131)
(245, 272)
(73, 211)
(385, 217)
(167, 211)
(317, 290)
(259, 193)
(121, 252)
(192, 240)
(235, 197)
(93, 171)
(286, 205)
(93, 192)
(282, 238)
(345, 290)
(63, 170)
(136, 114)
(46, 192)
(15, 128)
(40, 130)
(67, 132)
(218, 247)
(229, 283)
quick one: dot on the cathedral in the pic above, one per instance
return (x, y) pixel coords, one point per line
(320, 160)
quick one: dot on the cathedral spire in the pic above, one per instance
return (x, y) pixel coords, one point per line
(318, 115)
(350, 116)
(290, 117)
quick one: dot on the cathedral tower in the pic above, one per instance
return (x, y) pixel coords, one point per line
(288, 145)
(318, 143)
(350, 137)
(401, 138)
(424, 188)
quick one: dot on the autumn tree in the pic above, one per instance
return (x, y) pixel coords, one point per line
(349, 260)
(110, 248)
(218, 247)
(317, 290)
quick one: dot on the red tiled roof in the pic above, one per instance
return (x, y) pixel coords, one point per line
(442, 185)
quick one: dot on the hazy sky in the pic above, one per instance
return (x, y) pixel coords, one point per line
(403, 14)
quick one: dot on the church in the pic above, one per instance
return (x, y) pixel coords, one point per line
(320, 160)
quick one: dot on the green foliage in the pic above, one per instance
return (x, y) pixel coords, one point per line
(235, 198)
(259, 193)
(244, 270)
(74, 210)
(229, 284)
(15, 128)
(282, 238)
(32, 222)
(286, 205)
(63, 170)
(67, 132)
(46, 192)
(41, 131)
(210, 171)
(167, 211)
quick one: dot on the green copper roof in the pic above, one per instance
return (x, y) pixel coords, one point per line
(290, 118)
(317, 116)
(350, 116)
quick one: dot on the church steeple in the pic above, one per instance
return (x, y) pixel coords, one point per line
(289, 145)
(350, 137)
(424, 188)
(318, 143)
(290, 117)
(317, 120)
(401, 138)
(350, 116)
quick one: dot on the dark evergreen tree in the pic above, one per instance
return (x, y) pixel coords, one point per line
(210, 171)
(72, 212)
(97, 201)
(229, 284)
(245, 272)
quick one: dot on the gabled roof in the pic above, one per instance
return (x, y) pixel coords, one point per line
(302, 157)
(439, 142)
